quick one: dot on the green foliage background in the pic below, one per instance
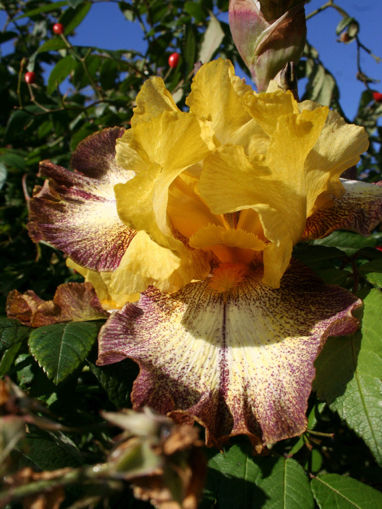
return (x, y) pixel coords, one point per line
(337, 462)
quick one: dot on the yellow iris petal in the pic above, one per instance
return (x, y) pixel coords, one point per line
(217, 99)
(152, 100)
(169, 144)
(101, 283)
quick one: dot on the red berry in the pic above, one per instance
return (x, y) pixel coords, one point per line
(377, 96)
(173, 60)
(30, 77)
(58, 28)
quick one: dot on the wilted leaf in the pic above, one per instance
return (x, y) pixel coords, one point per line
(75, 302)
(60, 348)
(333, 491)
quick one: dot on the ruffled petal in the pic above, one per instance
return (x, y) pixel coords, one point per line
(359, 209)
(229, 183)
(267, 108)
(74, 302)
(158, 151)
(152, 100)
(76, 212)
(240, 362)
(216, 98)
(338, 148)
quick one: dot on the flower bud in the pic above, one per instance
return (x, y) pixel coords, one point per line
(268, 34)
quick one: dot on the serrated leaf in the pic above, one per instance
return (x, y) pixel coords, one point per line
(333, 491)
(241, 480)
(349, 376)
(212, 39)
(60, 348)
(11, 332)
(60, 71)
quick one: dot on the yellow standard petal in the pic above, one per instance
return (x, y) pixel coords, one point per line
(165, 146)
(217, 98)
(152, 100)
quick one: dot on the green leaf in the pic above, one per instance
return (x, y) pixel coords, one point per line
(44, 8)
(196, 10)
(52, 45)
(238, 479)
(75, 3)
(11, 332)
(349, 376)
(73, 17)
(372, 271)
(117, 381)
(60, 348)
(348, 242)
(60, 71)
(8, 358)
(213, 37)
(49, 451)
(333, 491)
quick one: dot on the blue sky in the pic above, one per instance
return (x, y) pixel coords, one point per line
(106, 27)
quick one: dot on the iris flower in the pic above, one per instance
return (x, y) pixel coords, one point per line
(185, 225)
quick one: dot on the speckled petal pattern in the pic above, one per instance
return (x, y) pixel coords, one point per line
(238, 362)
(76, 211)
(359, 209)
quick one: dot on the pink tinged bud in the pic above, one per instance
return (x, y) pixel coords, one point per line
(268, 34)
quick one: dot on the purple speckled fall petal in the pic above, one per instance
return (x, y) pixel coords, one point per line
(75, 302)
(76, 212)
(359, 209)
(239, 362)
